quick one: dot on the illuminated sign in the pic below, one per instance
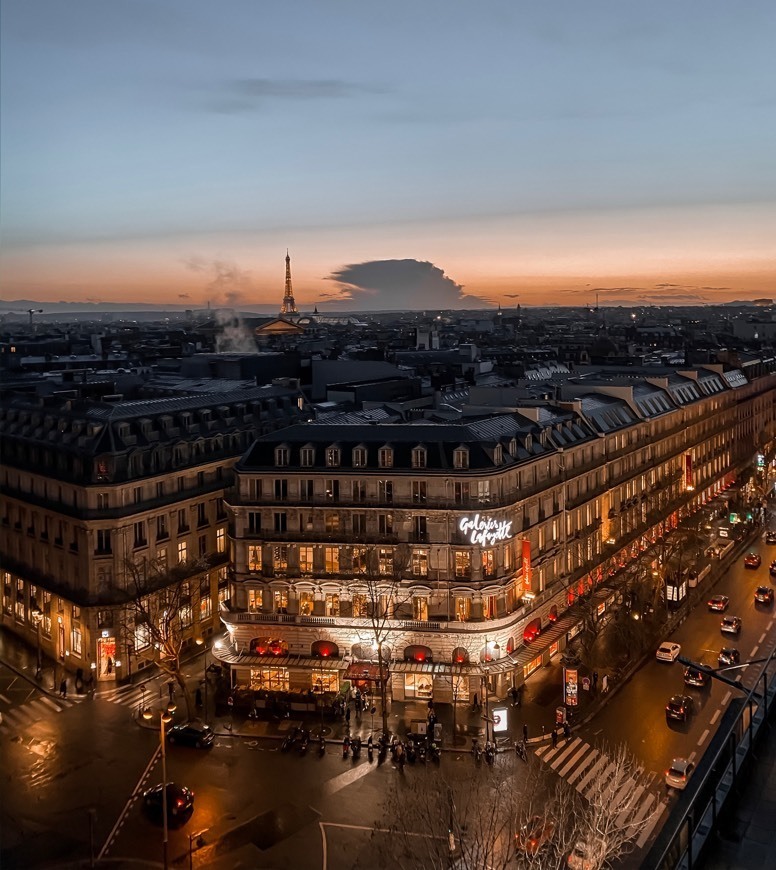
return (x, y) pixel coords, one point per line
(485, 530)
(571, 686)
(500, 722)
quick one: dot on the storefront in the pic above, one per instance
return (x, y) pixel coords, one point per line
(106, 657)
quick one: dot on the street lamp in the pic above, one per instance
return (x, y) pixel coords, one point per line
(165, 716)
(37, 618)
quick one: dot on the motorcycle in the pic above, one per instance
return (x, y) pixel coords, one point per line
(289, 740)
(400, 755)
(345, 747)
(382, 749)
(476, 750)
(411, 752)
(433, 751)
(355, 747)
(490, 752)
(420, 752)
(304, 741)
(370, 749)
(321, 745)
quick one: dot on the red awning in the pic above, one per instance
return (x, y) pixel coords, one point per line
(366, 671)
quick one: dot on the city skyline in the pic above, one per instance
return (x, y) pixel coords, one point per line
(472, 157)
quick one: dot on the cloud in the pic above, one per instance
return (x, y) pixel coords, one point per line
(184, 296)
(395, 285)
(246, 95)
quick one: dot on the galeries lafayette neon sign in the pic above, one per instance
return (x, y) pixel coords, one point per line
(485, 530)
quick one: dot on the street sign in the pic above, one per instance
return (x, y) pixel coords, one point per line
(500, 722)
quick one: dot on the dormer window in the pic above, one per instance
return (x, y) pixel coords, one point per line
(282, 456)
(359, 457)
(385, 457)
(513, 447)
(419, 457)
(498, 454)
(461, 457)
(307, 457)
(528, 442)
(332, 457)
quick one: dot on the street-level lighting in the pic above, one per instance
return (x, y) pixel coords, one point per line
(37, 618)
(165, 716)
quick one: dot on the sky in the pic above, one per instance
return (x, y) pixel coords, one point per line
(410, 154)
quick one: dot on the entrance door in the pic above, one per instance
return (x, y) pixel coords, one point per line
(106, 658)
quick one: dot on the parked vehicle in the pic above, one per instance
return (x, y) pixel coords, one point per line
(304, 741)
(194, 733)
(180, 803)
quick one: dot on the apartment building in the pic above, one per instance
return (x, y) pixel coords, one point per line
(94, 490)
(455, 545)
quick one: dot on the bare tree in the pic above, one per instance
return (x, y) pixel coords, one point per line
(158, 614)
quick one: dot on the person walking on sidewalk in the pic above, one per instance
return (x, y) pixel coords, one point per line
(347, 718)
(566, 730)
(63, 688)
(554, 738)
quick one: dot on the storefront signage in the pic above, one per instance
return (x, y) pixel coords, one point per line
(570, 687)
(500, 722)
(485, 530)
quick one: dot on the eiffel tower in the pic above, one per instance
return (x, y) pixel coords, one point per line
(289, 305)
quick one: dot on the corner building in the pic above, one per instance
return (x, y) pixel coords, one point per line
(478, 536)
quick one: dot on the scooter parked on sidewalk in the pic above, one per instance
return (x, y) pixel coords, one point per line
(476, 750)
(321, 745)
(346, 746)
(355, 747)
(433, 751)
(490, 752)
(304, 741)
(411, 752)
(370, 749)
(289, 740)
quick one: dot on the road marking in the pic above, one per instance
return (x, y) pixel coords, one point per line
(593, 771)
(762, 638)
(3, 698)
(726, 698)
(572, 762)
(692, 756)
(715, 717)
(345, 779)
(753, 653)
(650, 826)
(703, 736)
(566, 751)
(49, 703)
(128, 804)
(770, 625)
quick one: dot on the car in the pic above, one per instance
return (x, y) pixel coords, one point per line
(679, 707)
(772, 569)
(695, 677)
(718, 603)
(679, 772)
(770, 537)
(587, 854)
(752, 560)
(533, 834)
(194, 733)
(180, 803)
(763, 595)
(729, 655)
(668, 652)
(730, 625)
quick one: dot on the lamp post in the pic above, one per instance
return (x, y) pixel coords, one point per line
(165, 716)
(37, 618)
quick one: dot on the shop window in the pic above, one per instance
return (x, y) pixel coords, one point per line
(254, 558)
(460, 688)
(420, 607)
(360, 605)
(332, 604)
(463, 608)
(325, 682)
(306, 603)
(269, 679)
(280, 599)
(418, 686)
(532, 666)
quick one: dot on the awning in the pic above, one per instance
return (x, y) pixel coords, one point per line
(367, 671)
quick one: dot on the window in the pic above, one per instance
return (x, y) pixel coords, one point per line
(360, 564)
(332, 490)
(359, 490)
(419, 457)
(460, 688)
(20, 599)
(306, 560)
(75, 640)
(281, 521)
(255, 489)
(103, 500)
(420, 607)
(332, 457)
(140, 534)
(306, 490)
(7, 593)
(280, 600)
(270, 679)
(185, 614)
(254, 522)
(183, 523)
(201, 514)
(161, 557)
(360, 605)
(359, 524)
(162, 530)
(461, 457)
(385, 457)
(332, 604)
(305, 522)
(463, 563)
(332, 522)
(483, 490)
(359, 457)
(385, 524)
(463, 608)
(142, 636)
(282, 456)
(254, 558)
(306, 603)
(488, 563)
(490, 606)
(324, 681)
(202, 545)
(331, 560)
(418, 686)
(420, 563)
(420, 527)
(205, 605)
(281, 490)
(280, 559)
(307, 457)
(461, 490)
(419, 491)
(220, 509)
(385, 491)
(385, 560)
(137, 494)
(220, 540)
(255, 600)
(183, 551)
(103, 542)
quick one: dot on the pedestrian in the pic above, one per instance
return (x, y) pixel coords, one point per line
(595, 681)
(347, 718)
(525, 731)
(63, 688)
(605, 684)
(554, 738)
(514, 695)
(475, 703)
(542, 732)
(566, 730)
(171, 689)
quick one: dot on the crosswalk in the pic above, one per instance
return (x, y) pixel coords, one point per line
(596, 775)
(36, 709)
(132, 697)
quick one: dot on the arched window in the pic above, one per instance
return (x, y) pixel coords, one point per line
(418, 653)
(510, 645)
(552, 616)
(532, 630)
(264, 646)
(324, 649)
(490, 652)
(460, 656)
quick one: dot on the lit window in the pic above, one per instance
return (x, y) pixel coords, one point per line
(420, 607)
(221, 540)
(488, 563)
(271, 679)
(306, 603)
(332, 457)
(332, 604)
(463, 607)
(254, 558)
(280, 559)
(332, 562)
(306, 560)
(280, 598)
(183, 551)
(463, 563)
(325, 681)
(359, 560)
(385, 560)
(420, 563)
(360, 608)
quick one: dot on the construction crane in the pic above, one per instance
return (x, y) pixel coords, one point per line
(32, 311)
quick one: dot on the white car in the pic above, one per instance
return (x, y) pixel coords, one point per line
(668, 652)
(679, 772)
(587, 855)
